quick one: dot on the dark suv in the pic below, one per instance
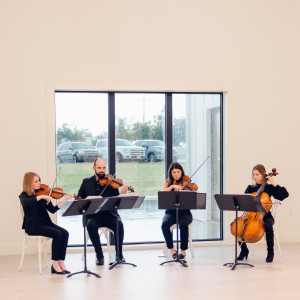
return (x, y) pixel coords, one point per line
(76, 152)
(154, 150)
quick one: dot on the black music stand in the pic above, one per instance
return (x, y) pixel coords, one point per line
(83, 207)
(182, 200)
(115, 203)
(239, 202)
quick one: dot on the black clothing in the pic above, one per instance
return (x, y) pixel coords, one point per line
(184, 222)
(35, 212)
(37, 222)
(279, 193)
(91, 187)
(169, 219)
(60, 238)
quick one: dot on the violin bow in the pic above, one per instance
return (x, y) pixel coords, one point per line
(188, 181)
(54, 181)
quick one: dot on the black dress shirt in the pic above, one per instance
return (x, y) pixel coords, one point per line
(91, 187)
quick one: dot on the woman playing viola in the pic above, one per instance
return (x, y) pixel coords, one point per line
(37, 221)
(174, 183)
(259, 174)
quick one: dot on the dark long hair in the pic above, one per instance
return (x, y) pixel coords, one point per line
(173, 166)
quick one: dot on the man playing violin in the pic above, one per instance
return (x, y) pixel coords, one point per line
(91, 187)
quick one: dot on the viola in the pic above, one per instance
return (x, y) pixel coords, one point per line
(250, 226)
(109, 179)
(187, 184)
(55, 193)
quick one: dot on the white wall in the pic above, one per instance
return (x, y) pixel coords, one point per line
(248, 49)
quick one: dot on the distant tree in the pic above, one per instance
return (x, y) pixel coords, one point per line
(71, 134)
(122, 129)
(157, 128)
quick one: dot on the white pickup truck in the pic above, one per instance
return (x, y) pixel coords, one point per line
(125, 151)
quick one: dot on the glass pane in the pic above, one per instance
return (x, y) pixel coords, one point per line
(140, 152)
(81, 120)
(196, 135)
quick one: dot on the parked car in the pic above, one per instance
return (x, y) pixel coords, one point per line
(124, 150)
(154, 150)
(76, 152)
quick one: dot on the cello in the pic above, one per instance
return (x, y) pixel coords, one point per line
(250, 226)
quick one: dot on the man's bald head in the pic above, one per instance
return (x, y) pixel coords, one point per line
(99, 166)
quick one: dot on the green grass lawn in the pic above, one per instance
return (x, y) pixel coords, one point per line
(146, 178)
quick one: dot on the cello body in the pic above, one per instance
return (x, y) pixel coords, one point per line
(250, 226)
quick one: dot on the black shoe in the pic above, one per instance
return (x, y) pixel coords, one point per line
(270, 257)
(174, 255)
(53, 271)
(67, 272)
(244, 254)
(122, 259)
(100, 261)
(181, 256)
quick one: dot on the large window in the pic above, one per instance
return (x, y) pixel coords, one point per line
(149, 130)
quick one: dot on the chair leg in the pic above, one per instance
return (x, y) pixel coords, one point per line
(23, 253)
(165, 250)
(45, 252)
(191, 242)
(108, 243)
(40, 255)
(277, 241)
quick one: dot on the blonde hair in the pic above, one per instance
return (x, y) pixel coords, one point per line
(261, 169)
(27, 182)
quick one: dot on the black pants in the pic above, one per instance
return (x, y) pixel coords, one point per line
(106, 219)
(269, 222)
(60, 237)
(184, 222)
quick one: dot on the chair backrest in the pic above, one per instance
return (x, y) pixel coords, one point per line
(274, 207)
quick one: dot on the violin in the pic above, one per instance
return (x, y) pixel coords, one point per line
(187, 184)
(250, 226)
(55, 193)
(114, 183)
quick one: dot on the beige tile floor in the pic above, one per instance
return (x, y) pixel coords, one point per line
(205, 278)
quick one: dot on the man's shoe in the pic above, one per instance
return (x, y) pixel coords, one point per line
(100, 261)
(122, 259)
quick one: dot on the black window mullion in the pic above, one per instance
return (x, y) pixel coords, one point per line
(111, 133)
(169, 133)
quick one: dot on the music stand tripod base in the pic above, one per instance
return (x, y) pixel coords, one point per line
(233, 265)
(182, 262)
(120, 263)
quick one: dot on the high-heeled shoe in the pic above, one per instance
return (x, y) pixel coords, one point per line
(53, 271)
(244, 254)
(174, 255)
(181, 256)
(270, 257)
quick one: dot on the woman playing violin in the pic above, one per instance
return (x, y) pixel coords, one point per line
(273, 189)
(174, 183)
(37, 221)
